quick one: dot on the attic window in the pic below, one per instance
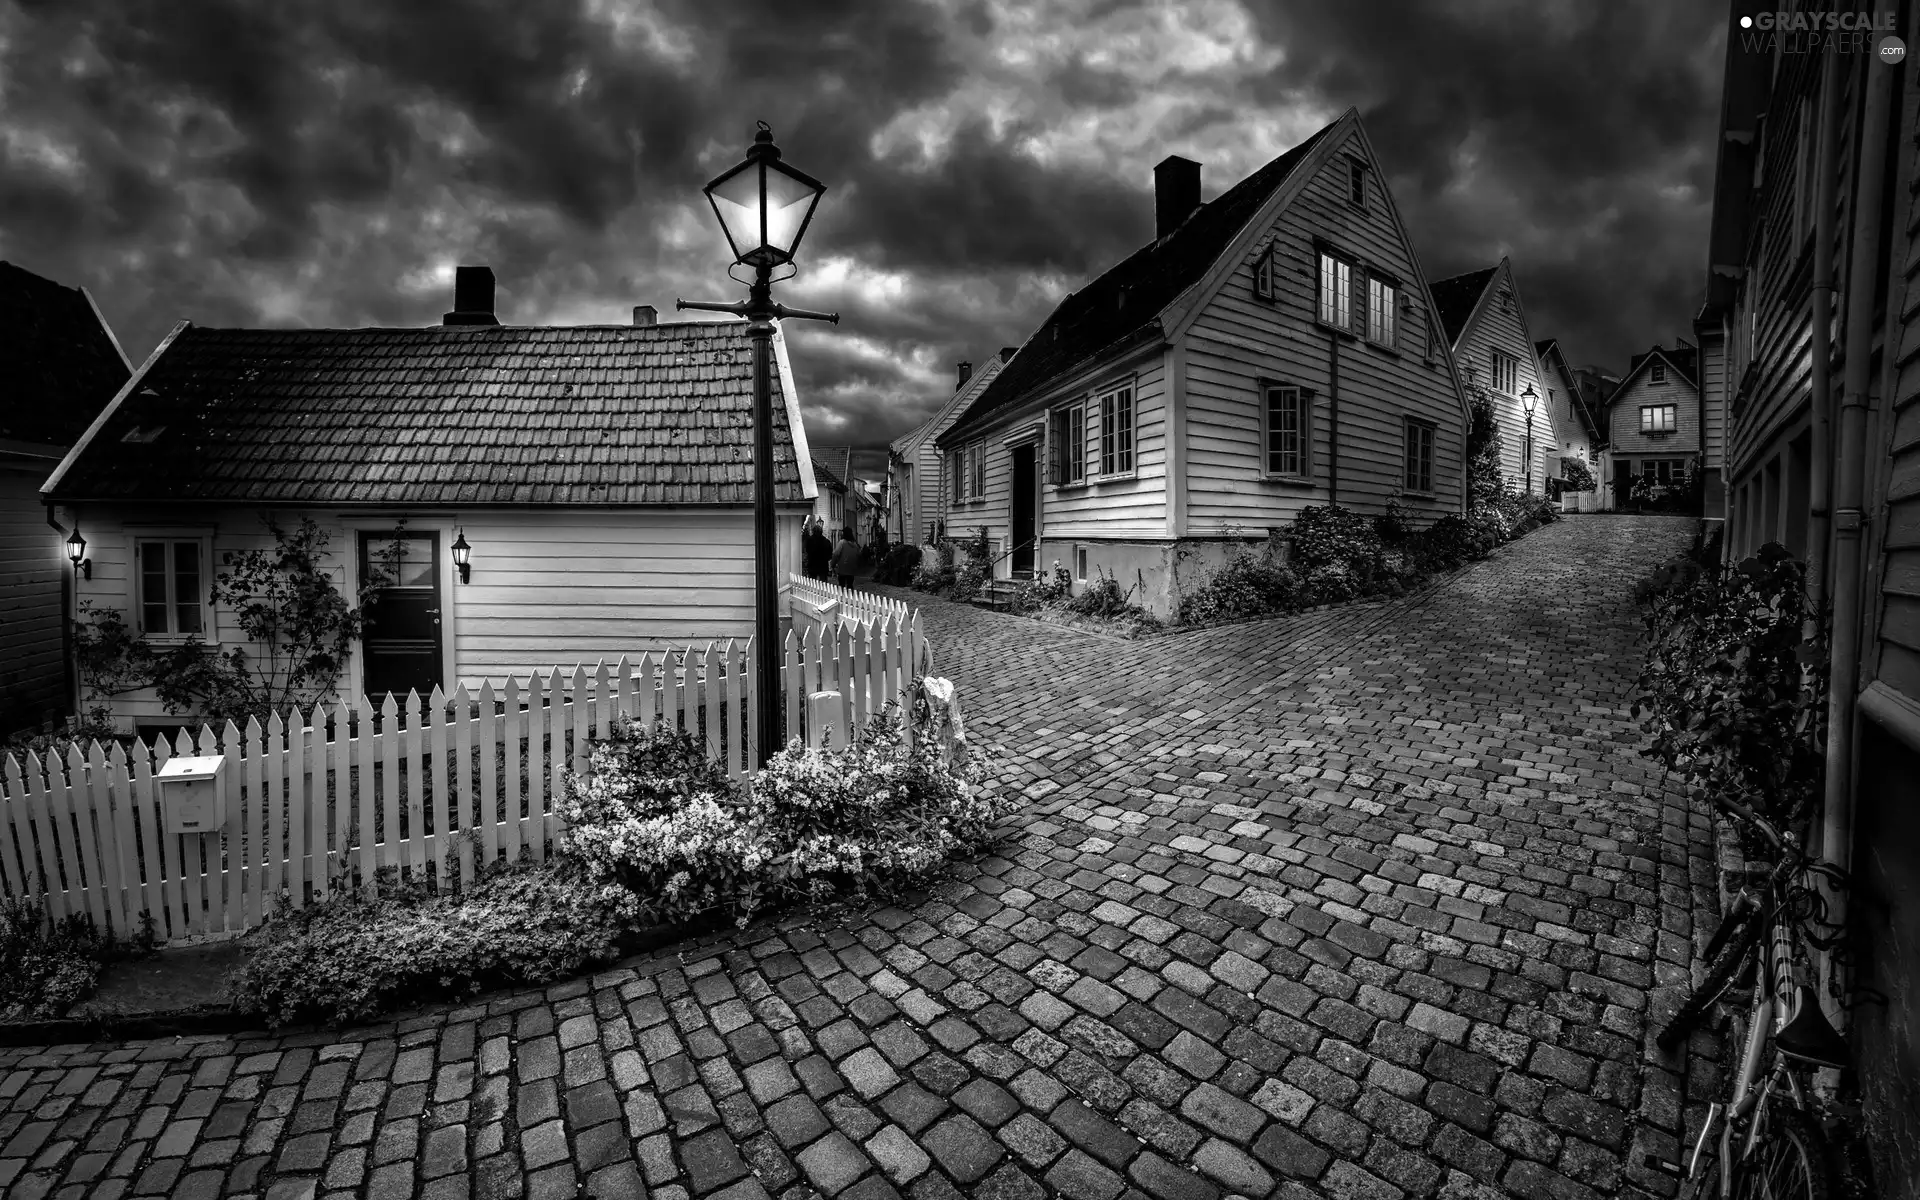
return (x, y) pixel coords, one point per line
(138, 436)
(1357, 184)
(1657, 373)
(1263, 274)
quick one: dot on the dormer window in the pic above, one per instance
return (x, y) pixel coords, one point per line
(1657, 374)
(1263, 273)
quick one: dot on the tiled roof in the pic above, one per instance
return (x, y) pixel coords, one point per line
(1123, 306)
(60, 365)
(826, 476)
(443, 415)
(1454, 298)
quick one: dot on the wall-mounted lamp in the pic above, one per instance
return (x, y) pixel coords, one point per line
(77, 552)
(462, 553)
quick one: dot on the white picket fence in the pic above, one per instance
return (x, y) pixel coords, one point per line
(861, 606)
(318, 803)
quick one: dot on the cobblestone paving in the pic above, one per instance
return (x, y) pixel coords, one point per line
(1371, 903)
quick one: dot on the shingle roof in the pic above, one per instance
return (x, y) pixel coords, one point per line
(1454, 298)
(463, 415)
(1123, 305)
(59, 363)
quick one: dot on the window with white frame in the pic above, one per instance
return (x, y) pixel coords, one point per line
(1286, 416)
(977, 471)
(1657, 374)
(956, 472)
(1656, 418)
(1419, 455)
(1505, 369)
(1263, 273)
(1067, 445)
(1116, 430)
(174, 582)
(1336, 290)
(1382, 295)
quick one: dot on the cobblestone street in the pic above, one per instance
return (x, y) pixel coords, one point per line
(1369, 903)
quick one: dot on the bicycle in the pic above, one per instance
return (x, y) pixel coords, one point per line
(1765, 1139)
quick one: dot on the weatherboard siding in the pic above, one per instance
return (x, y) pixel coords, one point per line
(33, 570)
(1569, 429)
(926, 501)
(1497, 325)
(553, 587)
(1237, 341)
(1643, 392)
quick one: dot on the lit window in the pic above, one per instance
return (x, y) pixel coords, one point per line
(1656, 418)
(1506, 372)
(1381, 297)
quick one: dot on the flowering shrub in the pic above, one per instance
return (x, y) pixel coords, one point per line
(675, 838)
(354, 956)
(1733, 691)
(1576, 475)
(1103, 599)
(976, 570)
(1044, 591)
(1328, 536)
(1450, 541)
(46, 966)
(936, 571)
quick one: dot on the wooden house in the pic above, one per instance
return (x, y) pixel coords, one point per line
(1486, 325)
(1270, 349)
(1571, 410)
(1654, 421)
(917, 484)
(1812, 319)
(830, 504)
(601, 476)
(59, 366)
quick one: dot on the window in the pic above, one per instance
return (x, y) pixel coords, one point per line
(1381, 297)
(1067, 446)
(1419, 455)
(1263, 273)
(1656, 418)
(1116, 431)
(1287, 416)
(173, 586)
(1506, 372)
(1357, 184)
(976, 472)
(956, 472)
(1336, 290)
(1079, 562)
(1657, 374)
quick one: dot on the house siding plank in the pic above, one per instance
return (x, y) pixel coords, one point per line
(33, 573)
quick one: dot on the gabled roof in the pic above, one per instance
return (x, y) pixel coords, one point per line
(472, 414)
(1455, 298)
(956, 404)
(825, 476)
(1683, 361)
(60, 362)
(1548, 349)
(1122, 307)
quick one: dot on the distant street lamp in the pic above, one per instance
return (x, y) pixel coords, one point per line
(1528, 399)
(764, 207)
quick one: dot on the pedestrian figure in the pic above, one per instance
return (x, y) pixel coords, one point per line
(815, 550)
(846, 559)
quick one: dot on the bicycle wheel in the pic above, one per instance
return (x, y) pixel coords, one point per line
(1720, 973)
(1789, 1163)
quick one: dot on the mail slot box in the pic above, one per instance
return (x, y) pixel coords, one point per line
(193, 797)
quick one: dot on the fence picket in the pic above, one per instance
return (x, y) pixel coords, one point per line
(532, 833)
(96, 830)
(603, 700)
(710, 702)
(489, 812)
(463, 814)
(646, 688)
(557, 763)
(252, 819)
(510, 805)
(360, 717)
(624, 703)
(223, 882)
(120, 793)
(30, 878)
(388, 842)
(436, 731)
(78, 821)
(740, 717)
(844, 677)
(580, 713)
(790, 691)
(180, 900)
(333, 785)
(306, 809)
(414, 793)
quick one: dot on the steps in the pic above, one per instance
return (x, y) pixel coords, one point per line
(998, 594)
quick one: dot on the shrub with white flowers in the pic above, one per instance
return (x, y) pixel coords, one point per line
(682, 839)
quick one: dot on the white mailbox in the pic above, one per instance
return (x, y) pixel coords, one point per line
(193, 796)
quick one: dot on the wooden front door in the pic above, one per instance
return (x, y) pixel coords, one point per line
(1025, 494)
(400, 643)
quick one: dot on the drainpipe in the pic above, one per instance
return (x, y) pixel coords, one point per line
(1820, 318)
(1836, 830)
(1333, 418)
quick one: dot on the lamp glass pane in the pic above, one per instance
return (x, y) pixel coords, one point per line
(789, 201)
(736, 198)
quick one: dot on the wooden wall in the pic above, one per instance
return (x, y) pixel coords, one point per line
(33, 572)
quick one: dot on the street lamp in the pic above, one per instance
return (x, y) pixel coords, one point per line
(764, 207)
(1528, 399)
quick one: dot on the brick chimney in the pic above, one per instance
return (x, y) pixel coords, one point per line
(966, 373)
(472, 297)
(645, 314)
(1176, 193)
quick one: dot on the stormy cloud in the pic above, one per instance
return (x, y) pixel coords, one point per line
(328, 163)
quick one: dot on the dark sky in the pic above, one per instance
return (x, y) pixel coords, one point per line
(327, 162)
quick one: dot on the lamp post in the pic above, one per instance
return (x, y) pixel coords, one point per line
(1528, 399)
(763, 206)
